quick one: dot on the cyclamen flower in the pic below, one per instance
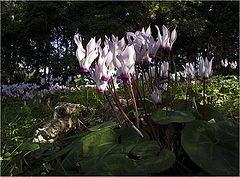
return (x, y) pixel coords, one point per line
(144, 45)
(138, 40)
(100, 84)
(189, 71)
(175, 76)
(152, 46)
(156, 96)
(42, 81)
(124, 63)
(233, 65)
(86, 57)
(224, 63)
(205, 68)
(105, 63)
(164, 86)
(164, 69)
(166, 39)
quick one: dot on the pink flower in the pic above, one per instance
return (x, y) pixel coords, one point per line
(164, 69)
(86, 57)
(189, 71)
(205, 68)
(167, 39)
(224, 63)
(97, 76)
(125, 63)
(233, 65)
(156, 96)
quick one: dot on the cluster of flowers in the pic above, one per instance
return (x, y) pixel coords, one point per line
(117, 58)
(204, 69)
(225, 63)
(28, 91)
(25, 91)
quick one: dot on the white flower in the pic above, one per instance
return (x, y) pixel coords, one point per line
(166, 39)
(86, 57)
(173, 76)
(97, 75)
(125, 63)
(189, 71)
(233, 65)
(224, 63)
(106, 65)
(205, 68)
(164, 69)
(80, 53)
(156, 96)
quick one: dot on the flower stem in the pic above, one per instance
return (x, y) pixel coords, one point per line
(204, 91)
(115, 113)
(134, 103)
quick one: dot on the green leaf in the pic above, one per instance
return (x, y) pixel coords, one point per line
(114, 164)
(92, 144)
(109, 124)
(31, 147)
(160, 163)
(97, 138)
(179, 104)
(129, 135)
(151, 159)
(208, 112)
(213, 147)
(119, 164)
(166, 117)
(145, 147)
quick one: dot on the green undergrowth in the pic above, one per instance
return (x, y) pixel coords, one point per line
(204, 140)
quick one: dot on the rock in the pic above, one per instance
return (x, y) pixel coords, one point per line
(65, 116)
(68, 115)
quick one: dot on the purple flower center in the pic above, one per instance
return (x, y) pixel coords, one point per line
(101, 91)
(167, 49)
(152, 56)
(145, 62)
(84, 70)
(124, 77)
(104, 78)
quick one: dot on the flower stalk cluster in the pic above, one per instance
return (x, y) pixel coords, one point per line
(143, 66)
(126, 61)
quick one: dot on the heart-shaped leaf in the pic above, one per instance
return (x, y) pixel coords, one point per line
(129, 135)
(209, 112)
(91, 144)
(167, 117)
(160, 163)
(109, 124)
(213, 147)
(151, 159)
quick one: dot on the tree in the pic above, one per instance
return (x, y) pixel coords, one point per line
(38, 36)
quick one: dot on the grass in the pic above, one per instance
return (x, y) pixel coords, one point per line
(19, 121)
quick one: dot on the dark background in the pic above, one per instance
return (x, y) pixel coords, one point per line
(39, 35)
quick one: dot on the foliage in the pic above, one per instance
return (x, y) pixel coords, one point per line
(172, 122)
(222, 93)
(38, 35)
(20, 121)
(102, 144)
(212, 146)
